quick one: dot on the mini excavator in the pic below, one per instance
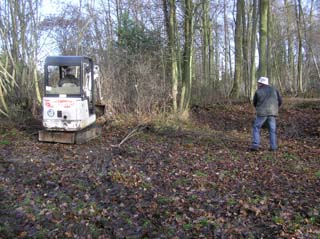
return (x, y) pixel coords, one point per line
(69, 101)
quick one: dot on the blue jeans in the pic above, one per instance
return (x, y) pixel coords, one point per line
(259, 121)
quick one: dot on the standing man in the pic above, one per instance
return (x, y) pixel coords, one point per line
(266, 100)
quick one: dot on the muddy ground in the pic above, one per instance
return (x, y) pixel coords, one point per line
(169, 179)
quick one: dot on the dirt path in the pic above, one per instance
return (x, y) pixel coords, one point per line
(195, 180)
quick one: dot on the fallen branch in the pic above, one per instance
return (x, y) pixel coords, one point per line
(134, 132)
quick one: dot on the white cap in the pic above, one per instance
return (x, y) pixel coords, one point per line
(263, 80)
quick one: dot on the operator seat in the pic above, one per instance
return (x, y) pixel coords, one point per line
(69, 78)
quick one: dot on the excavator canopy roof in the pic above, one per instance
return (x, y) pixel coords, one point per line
(66, 60)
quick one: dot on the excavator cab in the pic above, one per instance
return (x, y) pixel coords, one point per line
(68, 102)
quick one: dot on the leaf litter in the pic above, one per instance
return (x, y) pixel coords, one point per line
(191, 181)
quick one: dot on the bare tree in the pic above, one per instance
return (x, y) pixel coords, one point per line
(254, 21)
(263, 30)
(19, 45)
(187, 58)
(235, 92)
(299, 14)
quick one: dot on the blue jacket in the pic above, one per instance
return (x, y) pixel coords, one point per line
(267, 100)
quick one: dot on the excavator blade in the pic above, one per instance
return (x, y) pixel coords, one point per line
(64, 137)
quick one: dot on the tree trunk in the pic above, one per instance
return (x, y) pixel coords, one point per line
(173, 53)
(205, 44)
(245, 50)
(264, 4)
(299, 88)
(119, 17)
(226, 43)
(187, 59)
(269, 54)
(290, 53)
(310, 31)
(235, 92)
(253, 78)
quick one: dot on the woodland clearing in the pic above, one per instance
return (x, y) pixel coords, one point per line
(169, 179)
